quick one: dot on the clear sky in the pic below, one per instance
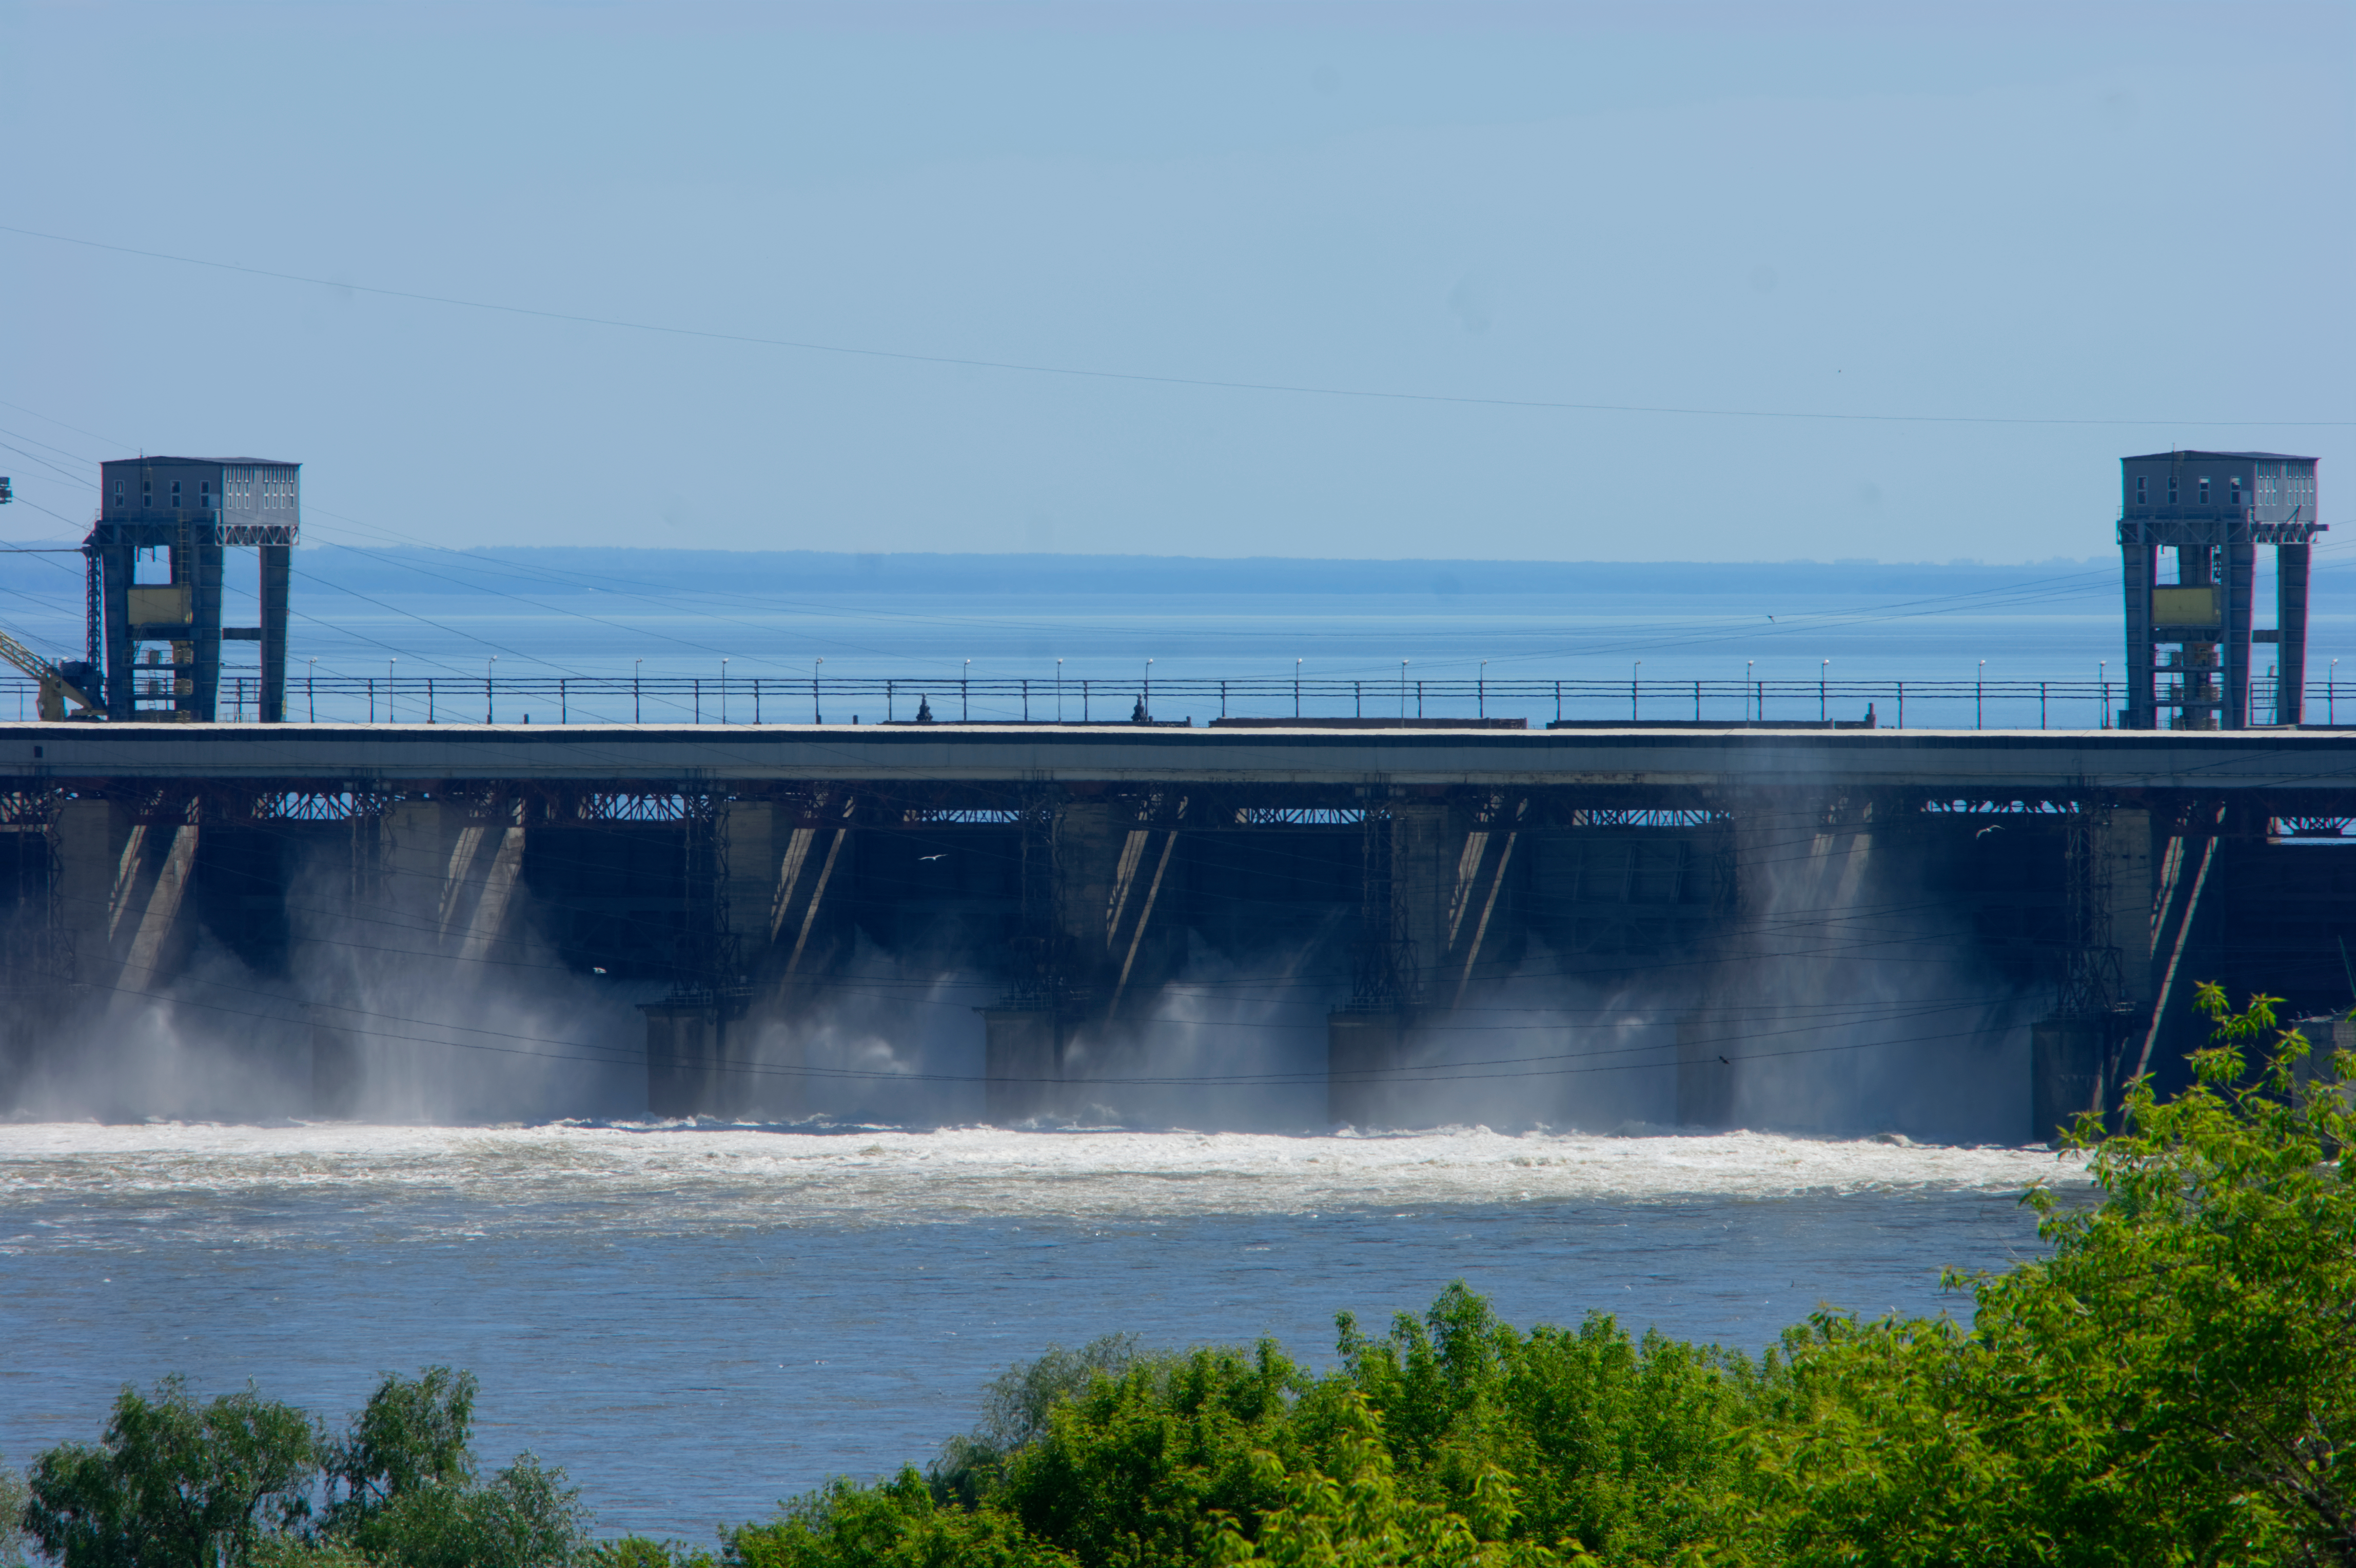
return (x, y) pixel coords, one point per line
(1989, 213)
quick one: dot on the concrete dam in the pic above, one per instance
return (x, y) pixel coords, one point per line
(1755, 922)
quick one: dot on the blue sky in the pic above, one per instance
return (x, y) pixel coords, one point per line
(1984, 214)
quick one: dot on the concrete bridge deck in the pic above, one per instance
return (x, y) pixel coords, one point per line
(1967, 761)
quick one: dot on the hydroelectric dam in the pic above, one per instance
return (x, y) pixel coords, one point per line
(1731, 889)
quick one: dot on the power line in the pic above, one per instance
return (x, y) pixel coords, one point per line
(1207, 383)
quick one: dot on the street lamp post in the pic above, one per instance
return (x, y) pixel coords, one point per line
(1824, 680)
(1979, 698)
(1481, 691)
(491, 692)
(1059, 691)
(816, 717)
(1296, 687)
(635, 666)
(311, 689)
(1402, 691)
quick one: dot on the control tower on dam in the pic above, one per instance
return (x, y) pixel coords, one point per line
(1720, 883)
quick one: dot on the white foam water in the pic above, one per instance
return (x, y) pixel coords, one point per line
(663, 1175)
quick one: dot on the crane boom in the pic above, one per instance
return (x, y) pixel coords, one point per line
(56, 690)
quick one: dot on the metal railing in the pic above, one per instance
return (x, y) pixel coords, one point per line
(771, 700)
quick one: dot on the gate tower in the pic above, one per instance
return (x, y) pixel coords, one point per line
(2189, 641)
(192, 510)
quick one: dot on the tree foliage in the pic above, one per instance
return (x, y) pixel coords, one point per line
(174, 1483)
(248, 1481)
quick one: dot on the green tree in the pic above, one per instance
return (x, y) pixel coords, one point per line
(524, 1516)
(2175, 1383)
(14, 1542)
(1015, 1409)
(412, 1434)
(1141, 1468)
(173, 1483)
(894, 1525)
(1623, 1448)
(402, 1487)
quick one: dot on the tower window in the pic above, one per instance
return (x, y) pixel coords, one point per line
(2171, 489)
(2236, 498)
(2204, 492)
(175, 495)
(2141, 483)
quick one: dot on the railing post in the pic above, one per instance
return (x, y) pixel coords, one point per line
(2041, 704)
(699, 699)
(429, 699)
(1557, 702)
(563, 702)
(1697, 702)
(1901, 704)
(1358, 699)
(1026, 699)
(371, 681)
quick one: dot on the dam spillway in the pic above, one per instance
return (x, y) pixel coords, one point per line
(2082, 882)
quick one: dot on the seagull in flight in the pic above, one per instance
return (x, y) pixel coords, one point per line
(942, 855)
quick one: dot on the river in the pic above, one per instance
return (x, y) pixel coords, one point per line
(697, 1321)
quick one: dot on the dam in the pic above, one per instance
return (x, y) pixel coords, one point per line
(2089, 878)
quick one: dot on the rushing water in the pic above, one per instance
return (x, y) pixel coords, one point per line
(697, 1321)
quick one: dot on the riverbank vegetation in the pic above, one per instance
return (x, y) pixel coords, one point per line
(2174, 1382)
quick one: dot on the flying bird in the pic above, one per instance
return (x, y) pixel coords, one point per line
(942, 855)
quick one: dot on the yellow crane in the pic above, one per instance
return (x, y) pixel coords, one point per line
(57, 689)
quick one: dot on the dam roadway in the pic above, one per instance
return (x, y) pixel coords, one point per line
(1641, 756)
(2078, 882)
